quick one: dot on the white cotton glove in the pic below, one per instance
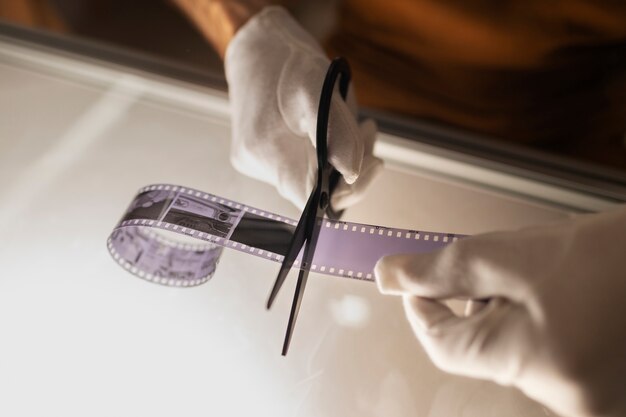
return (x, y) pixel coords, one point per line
(275, 71)
(556, 323)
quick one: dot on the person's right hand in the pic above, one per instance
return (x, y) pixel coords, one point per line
(275, 71)
(555, 325)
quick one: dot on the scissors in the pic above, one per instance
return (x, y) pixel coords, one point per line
(318, 204)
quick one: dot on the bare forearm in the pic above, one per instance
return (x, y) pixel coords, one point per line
(219, 20)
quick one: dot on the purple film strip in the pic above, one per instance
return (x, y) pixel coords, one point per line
(344, 249)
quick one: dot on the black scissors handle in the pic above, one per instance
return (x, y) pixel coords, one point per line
(338, 67)
(318, 204)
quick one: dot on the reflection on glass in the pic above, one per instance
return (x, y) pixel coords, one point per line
(549, 76)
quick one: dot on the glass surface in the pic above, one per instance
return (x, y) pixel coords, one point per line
(81, 336)
(561, 93)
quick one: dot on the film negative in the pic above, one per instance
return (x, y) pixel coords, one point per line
(143, 241)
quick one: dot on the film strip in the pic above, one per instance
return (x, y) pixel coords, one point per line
(344, 249)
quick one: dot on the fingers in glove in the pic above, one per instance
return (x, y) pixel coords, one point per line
(368, 130)
(345, 144)
(346, 195)
(275, 157)
(351, 101)
(298, 100)
(465, 269)
(479, 346)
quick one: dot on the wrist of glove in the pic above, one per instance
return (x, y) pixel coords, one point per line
(555, 325)
(275, 71)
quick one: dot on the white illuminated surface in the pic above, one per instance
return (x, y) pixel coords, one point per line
(81, 337)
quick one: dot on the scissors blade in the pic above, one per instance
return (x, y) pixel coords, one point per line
(295, 308)
(308, 229)
(313, 226)
(297, 242)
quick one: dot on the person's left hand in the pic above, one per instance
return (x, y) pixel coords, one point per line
(555, 322)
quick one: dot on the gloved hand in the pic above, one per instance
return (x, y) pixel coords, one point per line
(275, 71)
(555, 325)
